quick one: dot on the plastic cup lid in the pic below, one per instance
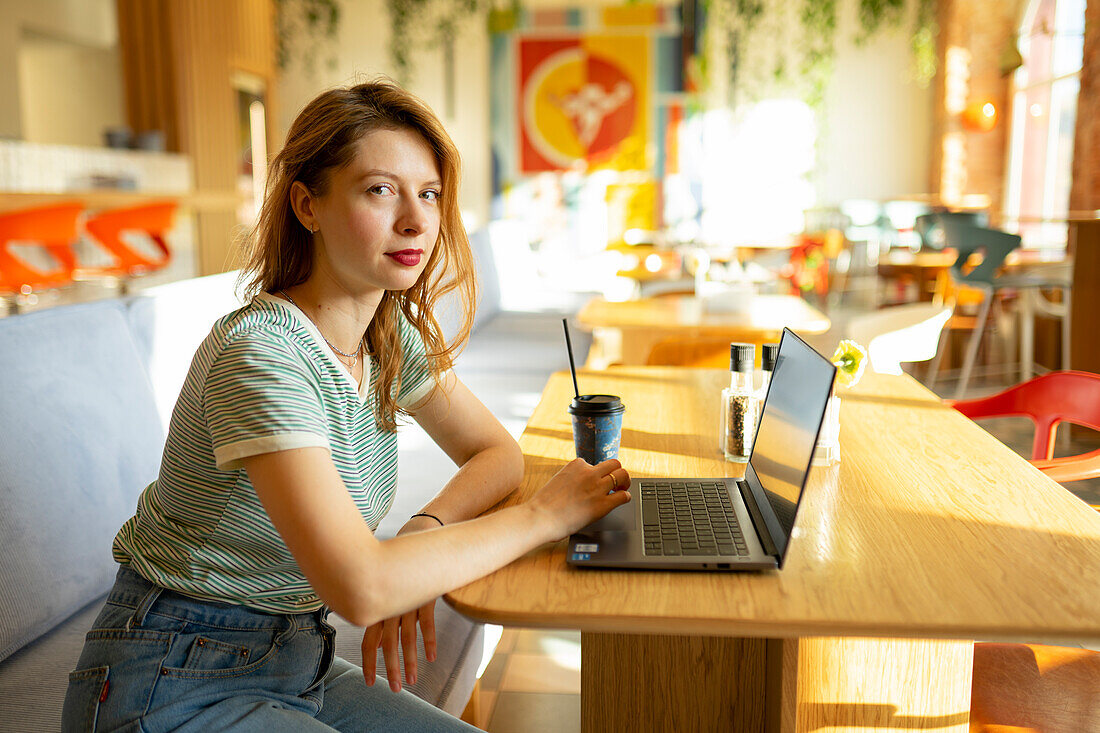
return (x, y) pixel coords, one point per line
(596, 404)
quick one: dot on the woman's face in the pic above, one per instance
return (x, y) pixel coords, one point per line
(379, 221)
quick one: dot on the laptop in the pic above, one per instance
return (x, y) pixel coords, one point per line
(726, 523)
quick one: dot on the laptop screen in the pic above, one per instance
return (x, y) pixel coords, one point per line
(789, 423)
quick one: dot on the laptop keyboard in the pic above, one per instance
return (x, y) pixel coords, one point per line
(689, 518)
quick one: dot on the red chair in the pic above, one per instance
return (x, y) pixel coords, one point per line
(155, 220)
(1048, 400)
(52, 227)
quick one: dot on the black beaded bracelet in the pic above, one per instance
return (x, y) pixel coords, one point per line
(432, 516)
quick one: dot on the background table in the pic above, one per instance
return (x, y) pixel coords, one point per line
(929, 533)
(625, 332)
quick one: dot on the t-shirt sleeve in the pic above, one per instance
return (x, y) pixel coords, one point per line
(416, 377)
(261, 398)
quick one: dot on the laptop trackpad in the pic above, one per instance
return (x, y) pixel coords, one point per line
(621, 518)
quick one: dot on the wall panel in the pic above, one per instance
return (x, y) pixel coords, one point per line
(179, 58)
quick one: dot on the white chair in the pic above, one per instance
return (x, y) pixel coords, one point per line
(903, 333)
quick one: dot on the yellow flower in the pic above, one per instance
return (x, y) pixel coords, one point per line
(850, 359)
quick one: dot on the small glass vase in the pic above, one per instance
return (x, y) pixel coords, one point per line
(827, 450)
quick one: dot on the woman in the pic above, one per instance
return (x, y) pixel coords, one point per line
(281, 459)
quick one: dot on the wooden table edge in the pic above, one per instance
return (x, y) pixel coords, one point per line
(724, 628)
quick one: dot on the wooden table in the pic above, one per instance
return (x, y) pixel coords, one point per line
(625, 332)
(929, 269)
(929, 533)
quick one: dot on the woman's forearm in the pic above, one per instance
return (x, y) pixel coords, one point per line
(412, 569)
(480, 483)
(397, 575)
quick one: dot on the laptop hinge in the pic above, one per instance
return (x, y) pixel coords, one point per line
(757, 518)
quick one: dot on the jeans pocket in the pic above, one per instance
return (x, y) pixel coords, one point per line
(87, 689)
(219, 654)
(209, 654)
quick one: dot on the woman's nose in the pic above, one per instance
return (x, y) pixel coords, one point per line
(412, 220)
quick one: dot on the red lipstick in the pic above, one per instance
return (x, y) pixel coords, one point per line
(407, 257)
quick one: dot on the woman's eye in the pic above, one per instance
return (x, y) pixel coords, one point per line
(430, 195)
(380, 189)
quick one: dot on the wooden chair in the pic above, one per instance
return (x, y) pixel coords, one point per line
(1021, 688)
(1028, 687)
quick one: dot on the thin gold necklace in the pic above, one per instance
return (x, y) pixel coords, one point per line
(354, 356)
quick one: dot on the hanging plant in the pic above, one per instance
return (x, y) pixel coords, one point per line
(766, 41)
(924, 42)
(424, 24)
(819, 52)
(759, 58)
(302, 27)
(874, 13)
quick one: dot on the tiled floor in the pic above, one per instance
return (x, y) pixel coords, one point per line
(533, 683)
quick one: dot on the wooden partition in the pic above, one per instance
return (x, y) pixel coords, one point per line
(179, 58)
(1085, 310)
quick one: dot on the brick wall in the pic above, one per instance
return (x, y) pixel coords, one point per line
(973, 36)
(1085, 190)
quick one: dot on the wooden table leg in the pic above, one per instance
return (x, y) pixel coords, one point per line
(839, 684)
(671, 683)
(635, 345)
(665, 683)
(606, 348)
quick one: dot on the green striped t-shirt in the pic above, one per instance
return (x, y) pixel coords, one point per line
(262, 381)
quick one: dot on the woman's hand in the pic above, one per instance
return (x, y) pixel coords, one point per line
(579, 494)
(386, 633)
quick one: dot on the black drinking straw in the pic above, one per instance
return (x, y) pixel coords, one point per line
(569, 348)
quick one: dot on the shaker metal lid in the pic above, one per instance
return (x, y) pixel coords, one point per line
(596, 404)
(767, 357)
(742, 357)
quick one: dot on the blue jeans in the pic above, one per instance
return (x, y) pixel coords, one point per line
(156, 660)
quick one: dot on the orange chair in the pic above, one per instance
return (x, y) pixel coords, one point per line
(1053, 398)
(107, 227)
(1030, 687)
(52, 227)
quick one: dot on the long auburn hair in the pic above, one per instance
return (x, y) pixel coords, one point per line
(279, 250)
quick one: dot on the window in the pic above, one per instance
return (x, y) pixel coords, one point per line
(1044, 112)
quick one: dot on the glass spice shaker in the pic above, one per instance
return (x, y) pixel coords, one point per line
(767, 366)
(740, 405)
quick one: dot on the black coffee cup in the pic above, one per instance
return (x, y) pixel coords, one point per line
(597, 426)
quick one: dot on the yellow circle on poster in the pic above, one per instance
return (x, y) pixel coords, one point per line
(577, 106)
(551, 130)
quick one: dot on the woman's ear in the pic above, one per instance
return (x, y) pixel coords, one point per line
(302, 201)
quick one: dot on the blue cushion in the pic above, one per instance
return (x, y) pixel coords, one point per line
(448, 309)
(488, 278)
(34, 679)
(81, 439)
